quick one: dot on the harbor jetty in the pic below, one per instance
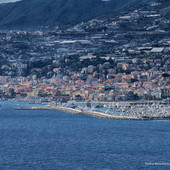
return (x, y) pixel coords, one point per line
(94, 113)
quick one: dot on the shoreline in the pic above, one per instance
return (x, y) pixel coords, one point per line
(93, 113)
(127, 102)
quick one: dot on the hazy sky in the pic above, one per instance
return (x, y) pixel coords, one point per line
(5, 1)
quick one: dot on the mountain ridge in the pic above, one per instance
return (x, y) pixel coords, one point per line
(35, 13)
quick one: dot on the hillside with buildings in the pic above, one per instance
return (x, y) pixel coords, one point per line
(109, 58)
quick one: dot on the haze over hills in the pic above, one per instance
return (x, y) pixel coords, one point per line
(6, 1)
(35, 13)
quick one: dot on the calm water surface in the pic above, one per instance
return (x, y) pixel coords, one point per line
(50, 140)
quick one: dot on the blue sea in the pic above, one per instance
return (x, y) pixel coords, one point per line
(54, 140)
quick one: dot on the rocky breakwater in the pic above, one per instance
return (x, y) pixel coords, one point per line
(76, 111)
(94, 113)
(64, 109)
(107, 116)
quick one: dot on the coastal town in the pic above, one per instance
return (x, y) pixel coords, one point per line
(84, 84)
(125, 57)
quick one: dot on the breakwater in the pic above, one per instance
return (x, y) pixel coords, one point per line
(94, 113)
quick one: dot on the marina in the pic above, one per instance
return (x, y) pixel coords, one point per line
(113, 111)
